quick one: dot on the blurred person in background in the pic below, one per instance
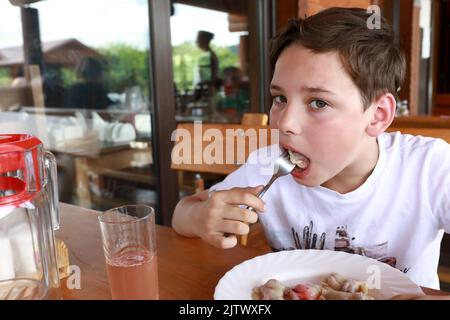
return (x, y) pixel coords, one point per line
(208, 66)
(90, 92)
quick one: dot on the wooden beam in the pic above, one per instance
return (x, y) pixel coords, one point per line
(237, 22)
(32, 47)
(440, 99)
(416, 40)
(243, 54)
(311, 7)
(229, 6)
(261, 30)
(285, 10)
(163, 120)
(254, 71)
(387, 10)
(410, 43)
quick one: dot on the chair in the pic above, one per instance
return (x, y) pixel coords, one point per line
(427, 126)
(226, 137)
(433, 122)
(255, 119)
(256, 230)
(13, 97)
(29, 93)
(443, 133)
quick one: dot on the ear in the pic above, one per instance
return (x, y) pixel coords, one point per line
(382, 116)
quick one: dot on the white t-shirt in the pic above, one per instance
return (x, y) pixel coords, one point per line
(397, 216)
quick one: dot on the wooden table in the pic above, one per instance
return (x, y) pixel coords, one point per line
(188, 268)
(91, 163)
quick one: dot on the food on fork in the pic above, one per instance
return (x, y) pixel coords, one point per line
(298, 159)
(332, 287)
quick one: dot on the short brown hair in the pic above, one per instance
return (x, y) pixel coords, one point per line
(370, 56)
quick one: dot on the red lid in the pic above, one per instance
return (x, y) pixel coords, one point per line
(12, 149)
(15, 151)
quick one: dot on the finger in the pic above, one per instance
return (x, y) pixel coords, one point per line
(255, 190)
(234, 227)
(241, 214)
(220, 241)
(244, 196)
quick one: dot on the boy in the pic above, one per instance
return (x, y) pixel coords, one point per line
(382, 195)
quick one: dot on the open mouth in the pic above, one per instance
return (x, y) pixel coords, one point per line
(301, 162)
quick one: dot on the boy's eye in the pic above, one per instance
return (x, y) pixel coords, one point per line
(279, 99)
(318, 104)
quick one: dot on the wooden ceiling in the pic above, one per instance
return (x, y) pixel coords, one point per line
(229, 6)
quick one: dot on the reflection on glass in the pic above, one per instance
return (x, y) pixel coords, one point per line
(210, 63)
(94, 85)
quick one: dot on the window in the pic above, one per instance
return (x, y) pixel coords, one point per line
(81, 84)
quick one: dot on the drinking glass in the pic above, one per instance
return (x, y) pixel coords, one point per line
(128, 236)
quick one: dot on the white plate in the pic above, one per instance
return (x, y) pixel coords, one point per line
(300, 266)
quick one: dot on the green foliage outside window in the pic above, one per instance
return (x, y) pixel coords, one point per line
(127, 66)
(68, 76)
(5, 79)
(186, 57)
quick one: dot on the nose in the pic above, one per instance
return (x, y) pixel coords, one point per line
(289, 121)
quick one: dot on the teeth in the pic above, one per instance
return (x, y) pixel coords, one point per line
(298, 159)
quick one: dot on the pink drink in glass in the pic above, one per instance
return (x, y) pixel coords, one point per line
(133, 275)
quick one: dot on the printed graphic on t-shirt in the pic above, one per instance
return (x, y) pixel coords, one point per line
(308, 239)
(343, 242)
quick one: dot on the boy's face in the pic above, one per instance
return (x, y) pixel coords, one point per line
(319, 113)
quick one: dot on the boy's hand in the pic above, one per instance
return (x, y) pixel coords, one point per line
(222, 219)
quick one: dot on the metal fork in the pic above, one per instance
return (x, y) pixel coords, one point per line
(283, 166)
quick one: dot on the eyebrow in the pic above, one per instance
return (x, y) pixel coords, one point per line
(316, 89)
(275, 87)
(307, 89)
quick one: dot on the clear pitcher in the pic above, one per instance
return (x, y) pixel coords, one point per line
(28, 217)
